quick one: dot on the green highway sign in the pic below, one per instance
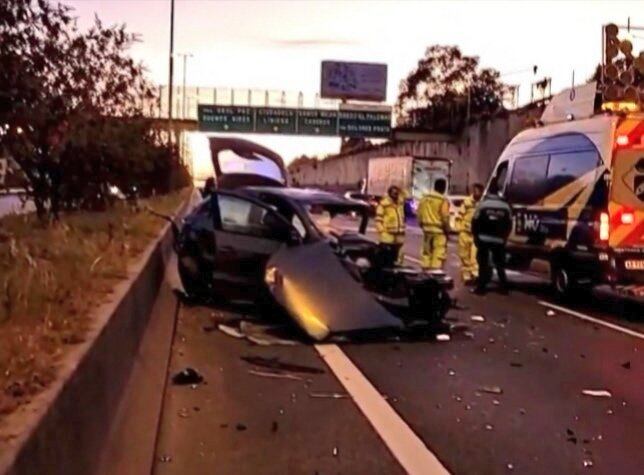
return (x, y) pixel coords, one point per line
(317, 122)
(226, 118)
(347, 122)
(273, 120)
(360, 123)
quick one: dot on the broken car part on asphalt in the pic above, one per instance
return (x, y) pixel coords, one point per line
(188, 376)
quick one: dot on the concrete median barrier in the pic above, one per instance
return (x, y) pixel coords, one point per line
(67, 428)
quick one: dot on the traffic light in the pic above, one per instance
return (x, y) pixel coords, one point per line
(623, 72)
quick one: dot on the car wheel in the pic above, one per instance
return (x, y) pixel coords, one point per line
(564, 282)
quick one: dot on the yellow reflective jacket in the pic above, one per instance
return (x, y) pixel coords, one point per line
(390, 220)
(465, 215)
(433, 213)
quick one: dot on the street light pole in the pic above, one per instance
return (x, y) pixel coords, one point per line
(171, 73)
(183, 93)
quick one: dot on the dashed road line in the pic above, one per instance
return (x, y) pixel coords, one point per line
(404, 444)
(598, 321)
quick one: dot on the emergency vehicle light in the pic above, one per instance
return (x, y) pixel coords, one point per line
(628, 218)
(622, 140)
(620, 106)
(604, 227)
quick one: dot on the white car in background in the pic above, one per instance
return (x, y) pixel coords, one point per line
(455, 202)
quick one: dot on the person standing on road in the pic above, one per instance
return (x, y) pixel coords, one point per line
(390, 225)
(466, 247)
(491, 226)
(433, 218)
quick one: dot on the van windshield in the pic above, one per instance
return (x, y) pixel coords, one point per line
(628, 179)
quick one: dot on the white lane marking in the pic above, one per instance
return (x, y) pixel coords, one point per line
(598, 321)
(404, 444)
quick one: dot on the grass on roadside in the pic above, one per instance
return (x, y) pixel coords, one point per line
(53, 277)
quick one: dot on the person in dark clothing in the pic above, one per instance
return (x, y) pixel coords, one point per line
(491, 226)
(209, 187)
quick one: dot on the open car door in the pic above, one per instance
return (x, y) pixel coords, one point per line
(246, 234)
(239, 162)
(321, 296)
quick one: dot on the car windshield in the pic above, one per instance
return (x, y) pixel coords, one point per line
(329, 219)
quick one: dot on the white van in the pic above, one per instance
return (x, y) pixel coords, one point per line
(576, 190)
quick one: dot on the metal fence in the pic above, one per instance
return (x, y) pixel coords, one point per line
(185, 102)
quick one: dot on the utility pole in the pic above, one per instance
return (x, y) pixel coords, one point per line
(171, 73)
(183, 93)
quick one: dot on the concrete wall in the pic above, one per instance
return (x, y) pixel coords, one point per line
(473, 154)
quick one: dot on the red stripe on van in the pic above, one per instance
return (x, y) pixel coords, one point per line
(635, 237)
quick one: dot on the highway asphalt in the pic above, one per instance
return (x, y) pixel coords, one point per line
(504, 395)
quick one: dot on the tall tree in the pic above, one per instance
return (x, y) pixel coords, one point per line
(444, 87)
(71, 106)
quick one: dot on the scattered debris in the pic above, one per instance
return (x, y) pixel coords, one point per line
(491, 389)
(588, 463)
(335, 451)
(241, 427)
(496, 402)
(597, 393)
(459, 327)
(329, 395)
(477, 318)
(626, 365)
(470, 335)
(275, 375)
(443, 337)
(510, 466)
(451, 372)
(183, 413)
(339, 339)
(165, 459)
(551, 313)
(489, 427)
(610, 412)
(275, 363)
(570, 436)
(230, 331)
(265, 335)
(186, 377)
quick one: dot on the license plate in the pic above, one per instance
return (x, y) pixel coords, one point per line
(634, 264)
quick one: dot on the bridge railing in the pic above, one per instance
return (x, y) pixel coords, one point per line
(185, 102)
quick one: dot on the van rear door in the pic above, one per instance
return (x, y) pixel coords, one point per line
(626, 207)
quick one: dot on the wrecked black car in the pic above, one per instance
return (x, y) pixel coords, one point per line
(304, 250)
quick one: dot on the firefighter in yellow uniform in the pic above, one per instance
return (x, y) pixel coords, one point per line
(390, 225)
(466, 246)
(433, 218)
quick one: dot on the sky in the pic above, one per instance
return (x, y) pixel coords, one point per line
(279, 45)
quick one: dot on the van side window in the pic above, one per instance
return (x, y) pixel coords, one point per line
(564, 168)
(498, 180)
(528, 183)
